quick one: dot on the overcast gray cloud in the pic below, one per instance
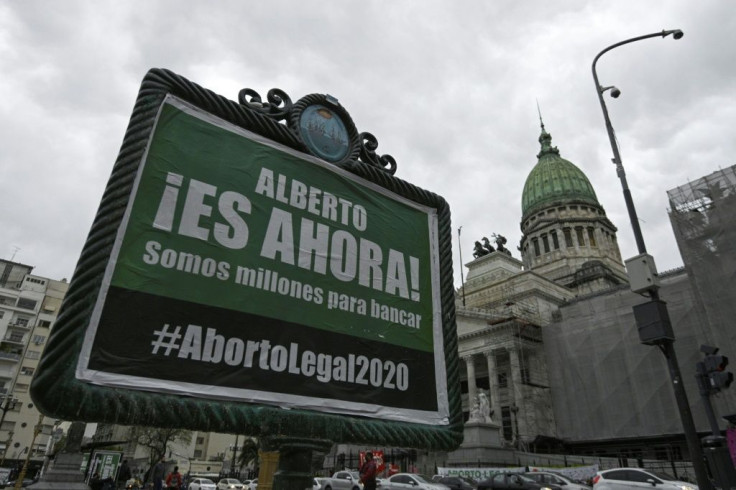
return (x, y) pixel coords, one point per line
(449, 89)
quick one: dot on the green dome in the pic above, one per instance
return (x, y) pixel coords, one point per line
(554, 180)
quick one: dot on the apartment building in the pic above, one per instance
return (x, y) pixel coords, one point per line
(29, 305)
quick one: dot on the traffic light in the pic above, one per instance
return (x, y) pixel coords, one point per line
(714, 371)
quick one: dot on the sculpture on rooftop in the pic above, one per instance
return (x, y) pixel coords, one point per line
(485, 248)
(479, 251)
(487, 245)
(500, 242)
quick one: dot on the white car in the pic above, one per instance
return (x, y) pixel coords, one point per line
(637, 478)
(253, 484)
(555, 479)
(202, 484)
(230, 483)
(411, 481)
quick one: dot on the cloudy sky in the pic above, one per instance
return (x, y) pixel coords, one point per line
(449, 88)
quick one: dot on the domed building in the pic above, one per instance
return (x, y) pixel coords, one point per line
(552, 341)
(566, 235)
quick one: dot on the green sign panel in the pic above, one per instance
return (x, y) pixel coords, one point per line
(249, 276)
(248, 271)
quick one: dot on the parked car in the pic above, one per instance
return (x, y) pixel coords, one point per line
(457, 482)
(253, 484)
(514, 481)
(342, 480)
(230, 483)
(556, 479)
(316, 485)
(637, 478)
(202, 484)
(410, 481)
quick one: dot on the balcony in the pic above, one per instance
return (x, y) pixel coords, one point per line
(9, 356)
(22, 326)
(14, 338)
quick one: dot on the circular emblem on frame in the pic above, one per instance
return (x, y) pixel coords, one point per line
(324, 132)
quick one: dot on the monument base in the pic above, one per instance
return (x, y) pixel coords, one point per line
(481, 443)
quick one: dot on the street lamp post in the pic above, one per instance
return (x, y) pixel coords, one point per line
(655, 310)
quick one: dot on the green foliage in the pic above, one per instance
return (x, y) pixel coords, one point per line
(249, 453)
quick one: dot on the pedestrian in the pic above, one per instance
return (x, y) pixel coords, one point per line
(174, 480)
(368, 472)
(124, 474)
(157, 474)
(95, 483)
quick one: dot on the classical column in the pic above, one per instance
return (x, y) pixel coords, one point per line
(515, 389)
(493, 383)
(472, 390)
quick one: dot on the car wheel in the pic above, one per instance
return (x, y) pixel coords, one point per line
(356, 488)
(328, 487)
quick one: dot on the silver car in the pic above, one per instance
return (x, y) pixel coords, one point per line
(636, 479)
(555, 479)
(411, 481)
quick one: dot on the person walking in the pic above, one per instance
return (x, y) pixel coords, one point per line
(174, 480)
(157, 474)
(123, 475)
(368, 472)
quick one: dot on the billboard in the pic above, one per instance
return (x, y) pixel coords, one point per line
(241, 272)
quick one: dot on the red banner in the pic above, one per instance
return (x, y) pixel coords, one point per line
(377, 457)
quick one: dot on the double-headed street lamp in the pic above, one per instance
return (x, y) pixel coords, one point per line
(651, 317)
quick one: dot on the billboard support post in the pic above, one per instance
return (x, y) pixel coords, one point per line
(295, 461)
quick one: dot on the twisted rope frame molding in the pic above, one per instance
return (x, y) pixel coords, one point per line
(55, 389)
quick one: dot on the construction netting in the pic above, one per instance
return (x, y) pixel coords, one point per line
(605, 384)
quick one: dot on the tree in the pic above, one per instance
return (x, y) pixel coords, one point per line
(249, 453)
(157, 440)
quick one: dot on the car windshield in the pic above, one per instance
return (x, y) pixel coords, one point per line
(422, 478)
(205, 481)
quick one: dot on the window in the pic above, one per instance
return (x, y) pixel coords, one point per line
(581, 238)
(503, 381)
(23, 322)
(545, 242)
(44, 323)
(568, 237)
(525, 378)
(198, 453)
(39, 339)
(27, 304)
(21, 387)
(591, 237)
(200, 440)
(27, 371)
(2, 314)
(616, 475)
(555, 241)
(535, 242)
(33, 354)
(640, 476)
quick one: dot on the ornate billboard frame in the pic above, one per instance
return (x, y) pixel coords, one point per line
(58, 393)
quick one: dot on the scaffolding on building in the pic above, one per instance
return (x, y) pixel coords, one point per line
(703, 216)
